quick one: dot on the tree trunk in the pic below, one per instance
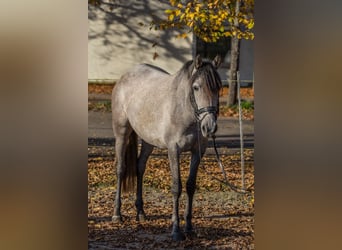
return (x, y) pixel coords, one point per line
(232, 73)
(234, 56)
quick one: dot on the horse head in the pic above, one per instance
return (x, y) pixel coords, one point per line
(204, 93)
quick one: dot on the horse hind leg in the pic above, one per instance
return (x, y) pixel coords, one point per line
(146, 150)
(121, 133)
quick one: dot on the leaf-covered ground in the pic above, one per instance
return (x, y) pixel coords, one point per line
(222, 218)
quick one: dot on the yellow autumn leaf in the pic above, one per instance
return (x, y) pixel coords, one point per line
(191, 15)
(183, 35)
(190, 23)
(251, 24)
(171, 17)
(227, 33)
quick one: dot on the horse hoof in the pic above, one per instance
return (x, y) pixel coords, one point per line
(190, 234)
(188, 229)
(178, 236)
(141, 217)
(117, 219)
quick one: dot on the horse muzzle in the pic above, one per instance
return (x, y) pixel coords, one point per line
(209, 125)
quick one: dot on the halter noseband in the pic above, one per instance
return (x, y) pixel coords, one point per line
(209, 110)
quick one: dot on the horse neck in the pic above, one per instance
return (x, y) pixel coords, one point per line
(182, 106)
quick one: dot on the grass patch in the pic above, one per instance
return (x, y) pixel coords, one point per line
(245, 105)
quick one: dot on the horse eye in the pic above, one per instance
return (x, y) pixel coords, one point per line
(196, 87)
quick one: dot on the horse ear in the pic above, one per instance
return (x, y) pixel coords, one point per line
(217, 61)
(198, 61)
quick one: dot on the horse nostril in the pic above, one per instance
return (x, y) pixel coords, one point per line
(212, 130)
(204, 128)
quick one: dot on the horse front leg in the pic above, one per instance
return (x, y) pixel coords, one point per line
(176, 190)
(190, 189)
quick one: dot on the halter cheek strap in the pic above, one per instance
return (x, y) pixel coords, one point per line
(207, 110)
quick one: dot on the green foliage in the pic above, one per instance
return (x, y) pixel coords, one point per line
(247, 105)
(210, 19)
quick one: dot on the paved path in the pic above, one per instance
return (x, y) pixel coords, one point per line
(100, 131)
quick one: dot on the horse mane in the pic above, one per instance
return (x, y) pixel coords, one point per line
(156, 68)
(206, 70)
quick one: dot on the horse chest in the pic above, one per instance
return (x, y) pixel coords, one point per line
(186, 142)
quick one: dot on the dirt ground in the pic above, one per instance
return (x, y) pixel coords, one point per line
(222, 218)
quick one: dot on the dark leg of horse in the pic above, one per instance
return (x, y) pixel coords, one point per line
(176, 190)
(190, 189)
(120, 149)
(146, 150)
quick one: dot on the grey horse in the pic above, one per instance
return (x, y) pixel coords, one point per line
(174, 112)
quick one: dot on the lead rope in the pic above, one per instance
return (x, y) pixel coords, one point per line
(226, 181)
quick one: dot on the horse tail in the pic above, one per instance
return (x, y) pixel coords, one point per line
(131, 159)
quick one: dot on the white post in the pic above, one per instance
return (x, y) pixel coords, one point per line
(241, 133)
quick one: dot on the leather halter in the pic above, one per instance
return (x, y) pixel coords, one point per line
(208, 110)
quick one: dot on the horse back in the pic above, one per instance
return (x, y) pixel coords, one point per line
(141, 76)
(142, 98)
